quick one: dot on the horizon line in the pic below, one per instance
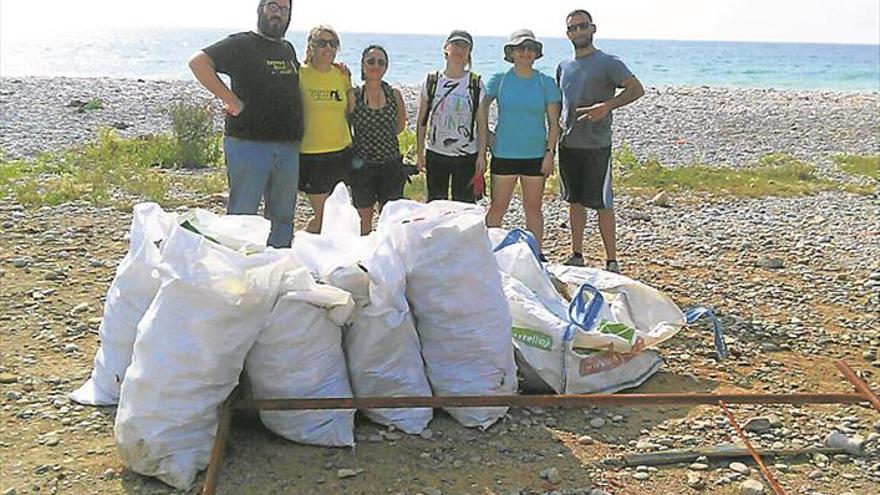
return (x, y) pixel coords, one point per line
(441, 34)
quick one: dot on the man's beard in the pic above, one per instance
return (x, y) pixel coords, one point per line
(582, 42)
(276, 29)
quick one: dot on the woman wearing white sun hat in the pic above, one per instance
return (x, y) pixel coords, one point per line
(526, 133)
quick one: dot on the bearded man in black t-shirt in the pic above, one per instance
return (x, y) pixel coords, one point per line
(263, 116)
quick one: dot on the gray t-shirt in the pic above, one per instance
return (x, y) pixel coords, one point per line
(585, 81)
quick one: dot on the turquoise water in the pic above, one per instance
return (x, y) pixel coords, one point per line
(162, 54)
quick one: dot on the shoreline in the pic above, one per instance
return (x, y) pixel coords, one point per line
(679, 125)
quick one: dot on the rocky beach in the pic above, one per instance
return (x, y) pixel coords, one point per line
(794, 280)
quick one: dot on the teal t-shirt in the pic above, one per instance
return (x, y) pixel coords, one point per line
(521, 131)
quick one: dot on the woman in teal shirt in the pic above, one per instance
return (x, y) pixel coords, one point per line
(526, 134)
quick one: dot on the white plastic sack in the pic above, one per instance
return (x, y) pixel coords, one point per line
(190, 352)
(299, 355)
(340, 242)
(622, 315)
(546, 358)
(136, 283)
(133, 288)
(385, 360)
(455, 292)
(381, 347)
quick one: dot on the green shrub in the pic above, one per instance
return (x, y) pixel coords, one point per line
(198, 145)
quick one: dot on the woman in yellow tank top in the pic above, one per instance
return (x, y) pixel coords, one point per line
(325, 151)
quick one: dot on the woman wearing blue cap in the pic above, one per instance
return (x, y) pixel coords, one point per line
(526, 134)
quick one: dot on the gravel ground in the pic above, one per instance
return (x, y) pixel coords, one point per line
(795, 281)
(677, 125)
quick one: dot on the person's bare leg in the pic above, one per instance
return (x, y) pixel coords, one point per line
(608, 230)
(577, 222)
(501, 193)
(366, 215)
(317, 202)
(533, 200)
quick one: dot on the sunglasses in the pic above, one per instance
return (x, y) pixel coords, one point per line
(528, 47)
(275, 8)
(381, 62)
(322, 43)
(580, 26)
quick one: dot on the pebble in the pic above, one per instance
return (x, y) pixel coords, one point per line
(586, 440)
(348, 473)
(551, 475)
(695, 480)
(699, 466)
(597, 423)
(850, 445)
(661, 199)
(757, 425)
(739, 467)
(751, 487)
(20, 262)
(771, 263)
(7, 378)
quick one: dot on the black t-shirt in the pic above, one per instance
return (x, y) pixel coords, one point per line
(265, 76)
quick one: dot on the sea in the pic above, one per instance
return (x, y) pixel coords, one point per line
(161, 53)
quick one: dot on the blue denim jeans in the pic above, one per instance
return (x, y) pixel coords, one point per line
(263, 169)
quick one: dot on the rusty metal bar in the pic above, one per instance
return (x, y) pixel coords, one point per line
(212, 474)
(742, 436)
(569, 401)
(858, 383)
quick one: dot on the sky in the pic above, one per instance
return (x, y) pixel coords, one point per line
(813, 21)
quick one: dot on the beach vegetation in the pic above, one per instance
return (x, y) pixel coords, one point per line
(206, 183)
(197, 143)
(100, 172)
(92, 104)
(862, 165)
(10, 170)
(776, 174)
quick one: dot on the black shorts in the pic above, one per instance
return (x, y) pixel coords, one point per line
(320, 172)
(376, 182)
(530, 167)
(441, 169)
(586, 176)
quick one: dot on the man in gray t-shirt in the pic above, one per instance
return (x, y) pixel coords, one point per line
(589, 85)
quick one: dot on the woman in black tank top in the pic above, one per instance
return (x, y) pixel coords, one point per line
(377, 116)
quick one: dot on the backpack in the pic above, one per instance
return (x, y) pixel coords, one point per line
(473, 90)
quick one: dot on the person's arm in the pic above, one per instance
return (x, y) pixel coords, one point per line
(483, 131)
(553, 133)
(401, 111)
(203, 69)
(632, 91)
(421, 133)
(351, 95)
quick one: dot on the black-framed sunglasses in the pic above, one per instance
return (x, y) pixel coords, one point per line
(381, 62)
(322, 43)
(275, 8)
(579, 26)
(528, 47)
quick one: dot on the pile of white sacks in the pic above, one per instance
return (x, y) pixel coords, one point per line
(432, 303)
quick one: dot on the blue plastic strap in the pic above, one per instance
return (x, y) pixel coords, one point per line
(520, 235)
(582, 313)
(693, 314)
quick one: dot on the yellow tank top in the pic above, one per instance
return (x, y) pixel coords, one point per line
(325, 99)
